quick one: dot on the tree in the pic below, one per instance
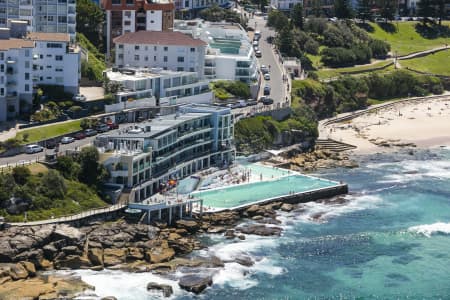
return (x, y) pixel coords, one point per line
(21, 174)
(425, 9)
(90, 18)
(91, 172)
(440, 9)
(379, 48)
(343, 9)
(387, 9)
(277, 20)
(53, 185)
(67, 167)
(297, 15)
(364, 10)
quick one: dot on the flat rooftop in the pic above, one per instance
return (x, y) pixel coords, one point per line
(132, 74)
(157, 126)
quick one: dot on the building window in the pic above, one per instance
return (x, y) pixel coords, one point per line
(127, 23)
(27, 87)
(120, 46)
(59, 80)
(130, 2)
(155, 48)
(192, 49)
(180, 59)
(136, 57)
(120, 56)
(152, 11)
(27, 76)
(62, 19)
(165, 58)
(2, 91)
(58, 69)
(54, 45)
(58, 57)
(128, 14)
(27, 65)
(166, 48)
(191, 69)
(151, 21)
(27, 53)
(136, 47)
(116, 2)
(146, 58)
(154, 58)
(180, 69)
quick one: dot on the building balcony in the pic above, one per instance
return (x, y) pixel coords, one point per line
(12, 95)
(10, 61)
(11, 83)
(119, 173)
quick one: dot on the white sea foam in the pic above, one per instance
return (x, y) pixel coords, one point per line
(321, 212)
(430, 229)
(126, 286)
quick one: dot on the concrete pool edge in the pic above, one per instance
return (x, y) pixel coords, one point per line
(299, 197)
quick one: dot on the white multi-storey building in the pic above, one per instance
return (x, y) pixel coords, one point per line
(155, 87)
(167, 50)
(40, 58)
(229, 54)
(55, 16)
(174, 146)
(200, 4)
(284, 4)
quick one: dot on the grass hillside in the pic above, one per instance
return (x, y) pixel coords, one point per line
(44, 132)
(438, 63)
(405, 39)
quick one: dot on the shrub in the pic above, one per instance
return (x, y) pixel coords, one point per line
(338, 57)
(380, 49)
(21, 174)
(312, 47)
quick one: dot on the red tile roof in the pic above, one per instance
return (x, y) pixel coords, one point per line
(15, 44)
(50, 37)
(158, 38)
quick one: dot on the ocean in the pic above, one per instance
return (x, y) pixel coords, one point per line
(389, 239)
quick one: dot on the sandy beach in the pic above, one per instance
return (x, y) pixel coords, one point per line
(424, 123)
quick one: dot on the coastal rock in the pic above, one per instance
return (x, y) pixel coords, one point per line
(50, 251)
(159, 254)
(109, 298)
(135, 254)
(71, 250)
(164, 288)
(216, 229)
(260, 230)
(287, 207)
(67, 233)
(95, 255)
(182, 245)
(241, 237)
(254, 210)
(195, 283)
(112, 257)
(30, 267)
(273, 206)
(18, 271)
(190, 225)
(222, 218)
(174, 236)
(244, 260)
(229, 234)
(73, 262)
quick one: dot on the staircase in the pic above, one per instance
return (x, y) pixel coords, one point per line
(332, 145)
(124, 196)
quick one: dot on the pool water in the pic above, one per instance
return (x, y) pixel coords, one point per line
(247, 193)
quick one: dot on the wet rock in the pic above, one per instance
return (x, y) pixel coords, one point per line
(256, 218)
(164, 288)
(229, 234)
(241, 237)
(287, 207)
(216, 229)
(244, 260)
(195, 283)
(260, 230)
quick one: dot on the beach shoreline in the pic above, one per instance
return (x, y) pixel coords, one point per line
(423, 123)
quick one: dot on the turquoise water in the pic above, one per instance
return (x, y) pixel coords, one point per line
(390, 240)
(246, 193)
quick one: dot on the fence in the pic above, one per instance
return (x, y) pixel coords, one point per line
(74, 217)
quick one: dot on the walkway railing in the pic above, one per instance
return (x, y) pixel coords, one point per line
(74, 217)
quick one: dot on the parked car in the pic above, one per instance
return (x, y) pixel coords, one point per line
(267, 101)
(242, 103)
(90, 132)
(257, 35)
(67, 140)
(113, 126)
(251, 103)
(80, 135)
(267, 76)
(258, 53)
(30, 149)
(79, 97)
(255, 43)
(102, 128)
(266, 90)
(50, 144)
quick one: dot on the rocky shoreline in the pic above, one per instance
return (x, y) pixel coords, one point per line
(320, 159)
(27, 252)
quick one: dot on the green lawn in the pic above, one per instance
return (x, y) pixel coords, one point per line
(438, 63)
(329, 73)
(48, 131)
(406, 40)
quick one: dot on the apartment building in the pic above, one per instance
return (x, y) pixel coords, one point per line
(53, 16)
(167, 50)
(40, 58)
(284, 4)
(158, 86)
(146, 156)
(187, 5)
(229, 54)
(123, 16)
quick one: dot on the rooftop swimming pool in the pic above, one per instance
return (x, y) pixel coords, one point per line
(242, 194)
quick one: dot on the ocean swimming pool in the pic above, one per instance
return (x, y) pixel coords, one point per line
(243, 194)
